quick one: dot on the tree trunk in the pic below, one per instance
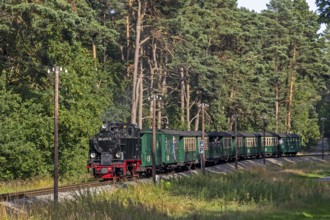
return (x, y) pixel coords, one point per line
(139, 22)
(230, 114)
(159, 114)
(182, 95)
(188, 104)
(163, 92)
(292, 79)
(94, 51)
(276, 106)
(140, 90)
(128, 30)
(163, 89)
(197, 116)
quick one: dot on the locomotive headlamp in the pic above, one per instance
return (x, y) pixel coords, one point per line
(104, 126)
(118, 154)
(93, 155)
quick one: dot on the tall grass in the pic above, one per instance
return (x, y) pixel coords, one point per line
(23, 185)
(90, 206)
(253, 194)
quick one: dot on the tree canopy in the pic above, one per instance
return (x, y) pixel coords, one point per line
(324, 9)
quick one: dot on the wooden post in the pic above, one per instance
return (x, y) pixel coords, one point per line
(154, 139)
(203, 138)
(236, 142)
(57, 72)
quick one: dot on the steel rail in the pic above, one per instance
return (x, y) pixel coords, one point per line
(45, 191)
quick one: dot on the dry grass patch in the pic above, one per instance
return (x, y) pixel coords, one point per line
(3, 212)
(302, 173)
(24, 185)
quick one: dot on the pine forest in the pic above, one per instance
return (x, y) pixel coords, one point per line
(119, 53)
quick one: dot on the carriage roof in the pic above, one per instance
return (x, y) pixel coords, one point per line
(248, 134)
(176, 132)
(219, 134)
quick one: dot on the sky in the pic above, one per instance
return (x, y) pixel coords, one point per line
(258, 5)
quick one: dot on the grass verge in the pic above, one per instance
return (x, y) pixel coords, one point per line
(287, 192)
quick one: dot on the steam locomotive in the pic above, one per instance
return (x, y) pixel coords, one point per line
(115, 151)
(123, 150)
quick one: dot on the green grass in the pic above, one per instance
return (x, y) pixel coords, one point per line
(287, 192)
(37, 183)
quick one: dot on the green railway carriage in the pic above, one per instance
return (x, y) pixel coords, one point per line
(268, 143)
(169, 150)
(146, 143)
(292, 145)
(250, 145)
(190, 143)
(221, 145)
(241, 151)
(216, 146)
(282, 143)
(172, 147)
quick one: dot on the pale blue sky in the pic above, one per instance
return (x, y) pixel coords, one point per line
(258, 5)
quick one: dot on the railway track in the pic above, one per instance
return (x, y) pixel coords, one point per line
(46, 191)
(317, 154)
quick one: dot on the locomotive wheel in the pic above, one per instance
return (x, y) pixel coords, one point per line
(148, 173)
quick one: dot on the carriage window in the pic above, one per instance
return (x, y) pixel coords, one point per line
(189, 144)
(227, 142)
(250, 142)
(239, 141)
(206, 146)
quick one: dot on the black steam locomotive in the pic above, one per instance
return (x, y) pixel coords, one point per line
(115, 151)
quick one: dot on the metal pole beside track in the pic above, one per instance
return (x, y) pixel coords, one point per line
(264, 156)
(323, 119)
(203, 138)
(202, 142)
(263, 118)
(154, 139)
(154, 99)
(56, 70)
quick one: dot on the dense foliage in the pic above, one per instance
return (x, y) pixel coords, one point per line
(324, 9)
(272, 63)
